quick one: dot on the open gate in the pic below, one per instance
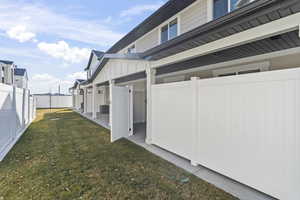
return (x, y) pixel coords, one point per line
(121, 112)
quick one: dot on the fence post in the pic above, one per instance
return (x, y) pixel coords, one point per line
(150, 72)
(28, 114)
(14, 110)
(85, 100)
(23, 107)
(94, 100)
(50, 101)
(195, 99)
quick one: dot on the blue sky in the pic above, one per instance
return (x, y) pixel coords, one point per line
(53, 39)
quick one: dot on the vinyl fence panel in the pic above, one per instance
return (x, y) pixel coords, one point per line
(26, 106)
(7, 117)
(245, 127)
(43, 101)
(171, 117)
(14, 116)
(53, 101)
(19, 108)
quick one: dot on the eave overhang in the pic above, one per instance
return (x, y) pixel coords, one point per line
(98, 54)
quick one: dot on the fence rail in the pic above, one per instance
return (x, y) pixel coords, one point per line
(17, 111)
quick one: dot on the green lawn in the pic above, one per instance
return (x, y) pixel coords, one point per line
(63, 156)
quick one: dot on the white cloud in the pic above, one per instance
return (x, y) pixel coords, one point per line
(21, 34)
(43, 77)
(77, 75)
(41, 20)
(140, 9)
(63, 51)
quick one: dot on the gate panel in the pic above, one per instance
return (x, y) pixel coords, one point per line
(121, 113)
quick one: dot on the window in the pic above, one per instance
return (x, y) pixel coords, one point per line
(227, 74)
(222, 7)
(164, 34)
(169, 31)
(233, 5)
(249, 71)
(173, 29)
(131, 49)
(240, 70)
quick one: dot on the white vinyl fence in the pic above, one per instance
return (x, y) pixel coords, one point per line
(245, 127)
(53, 101)
(17, 111)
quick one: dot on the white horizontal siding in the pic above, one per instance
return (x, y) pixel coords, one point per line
(193, 16)
(149, 41)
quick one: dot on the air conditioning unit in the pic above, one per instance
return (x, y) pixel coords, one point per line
(242, 3)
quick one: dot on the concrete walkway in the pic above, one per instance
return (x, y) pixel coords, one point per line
(101, 120)
(235, 188)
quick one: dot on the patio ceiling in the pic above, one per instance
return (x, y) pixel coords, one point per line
(276, 43)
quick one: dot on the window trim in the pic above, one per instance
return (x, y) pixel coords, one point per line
(168, 23)
(262, 66)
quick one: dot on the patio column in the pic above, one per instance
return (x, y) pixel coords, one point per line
(195, 98)
(85, 100)
(111, 83)
(150, 81)
(94, 101)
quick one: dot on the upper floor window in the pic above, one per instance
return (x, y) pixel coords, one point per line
(222, 7)
(131, 49)
(169, 31)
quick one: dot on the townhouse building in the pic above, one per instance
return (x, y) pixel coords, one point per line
(7, 72)
(214, 81)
